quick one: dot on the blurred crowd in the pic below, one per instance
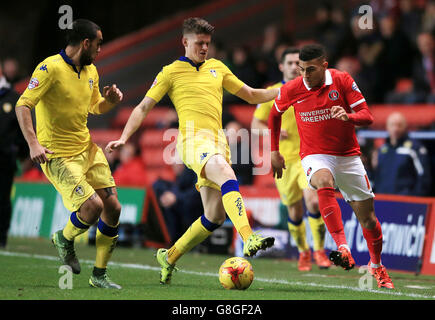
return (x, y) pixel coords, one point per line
(392, 60)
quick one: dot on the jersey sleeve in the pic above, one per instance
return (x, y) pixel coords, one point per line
(230, 82)
(351, 91)
(160, 86)
(263, 110)
(96, 94)
(39, 84)
(283, 101)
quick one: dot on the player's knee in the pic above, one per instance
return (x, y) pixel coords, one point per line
(92, 209)
(114, 209)
(368, 222)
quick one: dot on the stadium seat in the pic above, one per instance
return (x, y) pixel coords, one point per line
(243, 114)
(153, 157)
(102, 136)
(152, 138)
(151, 120)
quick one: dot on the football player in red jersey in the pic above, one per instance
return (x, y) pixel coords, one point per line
(327, 105)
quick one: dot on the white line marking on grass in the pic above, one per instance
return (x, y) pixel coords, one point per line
(210, 274)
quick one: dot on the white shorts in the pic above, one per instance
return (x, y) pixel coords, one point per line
(349, 174)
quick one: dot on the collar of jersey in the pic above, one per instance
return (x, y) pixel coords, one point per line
(186, 59)
(69, 61)
(328, 80)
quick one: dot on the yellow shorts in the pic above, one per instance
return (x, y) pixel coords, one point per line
(292, 183)
(197, 149)
(77, 177)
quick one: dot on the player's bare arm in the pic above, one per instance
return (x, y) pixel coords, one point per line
(37, 152)
(134, 121)
(255, 96)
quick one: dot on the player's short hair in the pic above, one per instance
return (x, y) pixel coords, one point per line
(81, 29)
(197, 26)
(289, 50)
(312, 51)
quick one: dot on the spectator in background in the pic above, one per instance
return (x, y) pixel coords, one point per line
(395, 55)
(402, 163)
(368, 46)
(131, 170)
(179, 200)
(410, 18)
(423, 74)
(12, 146)
(331, 30)
(11, 70)
(352, 66)
(428, 18)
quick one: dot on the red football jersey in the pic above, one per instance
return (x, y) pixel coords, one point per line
(319, 132)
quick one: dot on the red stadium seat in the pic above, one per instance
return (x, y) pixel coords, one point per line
(153, 157)
(243, 114)
(102, 136)
(156, 115)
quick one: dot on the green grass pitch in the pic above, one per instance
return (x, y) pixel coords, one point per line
(30, 271)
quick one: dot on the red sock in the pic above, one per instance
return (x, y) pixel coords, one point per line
(331, 214)
(374, 242)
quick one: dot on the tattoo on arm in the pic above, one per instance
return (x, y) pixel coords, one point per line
(109, 192)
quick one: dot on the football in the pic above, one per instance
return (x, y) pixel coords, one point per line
(236, 273)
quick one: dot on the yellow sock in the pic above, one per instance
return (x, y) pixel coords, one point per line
(235, 208)
(105, 242)
(197, 233)
(74, 227)
(317, 227)
(297, 231)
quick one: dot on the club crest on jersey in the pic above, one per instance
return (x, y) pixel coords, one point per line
(213, 73)
(79, 190)
(33, 83)
(91, 83)
(333, 95)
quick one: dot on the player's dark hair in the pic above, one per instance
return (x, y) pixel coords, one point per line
(289, 50)
(197, 26)
(312, 51)
(81, 29)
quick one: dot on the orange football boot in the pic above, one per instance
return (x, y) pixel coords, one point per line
(321, 259)
(343, 258)
(304, 263)
(381, 276)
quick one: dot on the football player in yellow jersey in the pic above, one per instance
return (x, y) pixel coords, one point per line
(293, 185)
(195, 86)
(63, 90)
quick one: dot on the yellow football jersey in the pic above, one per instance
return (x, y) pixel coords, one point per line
(62, 98)
(196, 92)
(289, 148)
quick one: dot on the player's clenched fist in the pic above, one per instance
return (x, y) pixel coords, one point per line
(112, 94)
(112, 145)
(339, 113)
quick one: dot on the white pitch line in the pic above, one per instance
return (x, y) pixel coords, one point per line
(210, 274)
